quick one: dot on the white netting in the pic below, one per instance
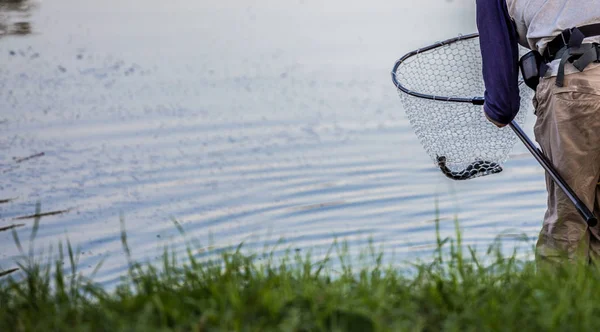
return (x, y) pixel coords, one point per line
(457, 131)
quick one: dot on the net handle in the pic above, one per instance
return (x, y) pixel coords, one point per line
(583, 210)
(474, 100)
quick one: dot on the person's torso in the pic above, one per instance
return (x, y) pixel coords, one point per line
(539, 21)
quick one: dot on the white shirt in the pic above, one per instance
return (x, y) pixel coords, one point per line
(539, 21)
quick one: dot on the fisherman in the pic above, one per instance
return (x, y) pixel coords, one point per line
(564, 35)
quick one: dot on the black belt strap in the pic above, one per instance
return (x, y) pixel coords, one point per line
(590, 54)
(568, 37)
(580, 56)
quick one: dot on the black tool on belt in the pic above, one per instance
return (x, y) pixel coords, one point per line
(568, 47)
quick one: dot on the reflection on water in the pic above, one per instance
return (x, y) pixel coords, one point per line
(14, 17)
(247, 123)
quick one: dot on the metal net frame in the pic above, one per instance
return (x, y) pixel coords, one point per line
(441, 88)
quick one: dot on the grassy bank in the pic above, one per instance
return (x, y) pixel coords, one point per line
(452, 292)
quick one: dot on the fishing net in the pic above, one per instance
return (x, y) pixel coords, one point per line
(441, 88)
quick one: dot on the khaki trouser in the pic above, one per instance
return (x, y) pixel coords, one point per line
(568, 131)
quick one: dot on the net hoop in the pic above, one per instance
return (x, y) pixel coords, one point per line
(474, 100)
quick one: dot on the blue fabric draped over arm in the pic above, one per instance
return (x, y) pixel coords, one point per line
(500, 55)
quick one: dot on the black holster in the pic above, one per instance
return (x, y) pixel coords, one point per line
(531, 64)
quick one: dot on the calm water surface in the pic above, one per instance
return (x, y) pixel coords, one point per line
(248, 121)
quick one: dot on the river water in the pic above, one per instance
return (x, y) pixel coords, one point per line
(260, 122)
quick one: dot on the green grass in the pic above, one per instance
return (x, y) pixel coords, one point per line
(454, 291)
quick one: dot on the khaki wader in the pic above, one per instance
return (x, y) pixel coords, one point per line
(568, 131)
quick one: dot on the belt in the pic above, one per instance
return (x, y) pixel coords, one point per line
(580, 56)
(570, 37)
(569, 47)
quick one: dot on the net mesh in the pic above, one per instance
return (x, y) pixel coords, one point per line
(457, 136)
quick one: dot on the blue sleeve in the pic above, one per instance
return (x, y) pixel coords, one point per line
(500, 55)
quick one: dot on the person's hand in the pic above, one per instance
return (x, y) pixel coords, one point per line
(499, 125)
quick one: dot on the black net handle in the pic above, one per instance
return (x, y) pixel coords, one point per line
(473, 100)
(583, 210)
